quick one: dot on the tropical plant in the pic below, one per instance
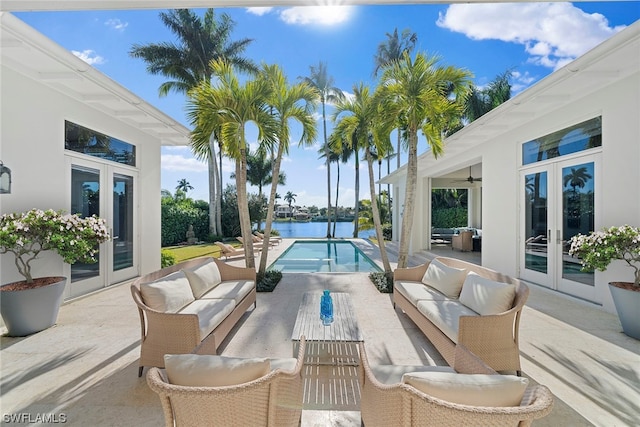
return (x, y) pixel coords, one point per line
(27, 234)
(286, 103)
(323, 84)
(577, 178)
(184, 185)
(259, 172)
(187, 63)
(358, 129)
(599, 248)
(429, 98)
(389, 51)
(231, 105)
(337, 158)
(290, 198)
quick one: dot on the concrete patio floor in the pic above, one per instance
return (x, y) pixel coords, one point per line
(85, 368)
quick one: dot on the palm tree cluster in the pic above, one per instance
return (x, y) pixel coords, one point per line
(415, 94)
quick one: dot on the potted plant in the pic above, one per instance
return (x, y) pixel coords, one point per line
(32, 304)
(597, 250)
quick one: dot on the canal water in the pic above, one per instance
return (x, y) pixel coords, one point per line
(317, 229)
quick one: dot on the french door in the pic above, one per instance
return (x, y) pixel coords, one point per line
(108, 191)
(559, 201)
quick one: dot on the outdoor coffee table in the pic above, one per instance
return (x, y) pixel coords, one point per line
(336, 343)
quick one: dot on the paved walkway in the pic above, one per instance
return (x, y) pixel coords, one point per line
(86, 366)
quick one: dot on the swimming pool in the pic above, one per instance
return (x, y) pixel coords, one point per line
(324, 256)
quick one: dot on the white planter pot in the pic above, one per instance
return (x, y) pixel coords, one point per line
(627, 304)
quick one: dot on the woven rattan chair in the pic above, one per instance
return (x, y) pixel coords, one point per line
(402, 405)
(274, 400)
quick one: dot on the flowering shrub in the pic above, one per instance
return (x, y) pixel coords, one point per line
(597, 249)
(29, 233)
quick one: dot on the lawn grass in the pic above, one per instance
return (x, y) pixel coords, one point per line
(182, 253)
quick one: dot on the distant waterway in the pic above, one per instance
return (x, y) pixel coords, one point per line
(316, 229)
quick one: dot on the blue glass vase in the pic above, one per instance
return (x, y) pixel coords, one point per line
(326, 308)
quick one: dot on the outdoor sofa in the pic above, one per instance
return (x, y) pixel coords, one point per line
(468, 393)
(191, 304)
(201, 390)
(457, 302)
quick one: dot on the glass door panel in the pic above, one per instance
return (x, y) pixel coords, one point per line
(123, 259)
(85, 200)
(536, 224)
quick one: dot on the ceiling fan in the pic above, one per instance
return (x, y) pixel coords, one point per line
(470, 179)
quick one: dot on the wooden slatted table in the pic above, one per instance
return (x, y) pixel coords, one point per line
(336, 343)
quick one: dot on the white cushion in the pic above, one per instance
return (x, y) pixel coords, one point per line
(392, 374)
(445, 315)
(231, 289)
(416, 291)
(168, 294)
(210, 312)
(213, 371)
(447, 280)
(486, 296)
(203, 278)
(466, 389)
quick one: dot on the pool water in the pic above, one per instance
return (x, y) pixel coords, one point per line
(323, 256)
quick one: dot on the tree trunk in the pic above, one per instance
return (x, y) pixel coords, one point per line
(219, 195)
(272, 202)
(357, 206)
(243, 206)
(335, 218)
(213, 178)
(326, 153)
(376, 217)
(409, 198)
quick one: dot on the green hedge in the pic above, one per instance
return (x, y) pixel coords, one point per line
(449, 217)
(176, 219)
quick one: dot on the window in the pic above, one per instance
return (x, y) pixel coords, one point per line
(86, 141)
(580, 137)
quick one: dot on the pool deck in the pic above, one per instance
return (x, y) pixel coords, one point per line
(86, 366)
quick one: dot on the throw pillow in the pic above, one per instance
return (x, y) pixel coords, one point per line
(465, 389)
(203, 278)
(168, 294)
(197, 370)
(447, 280)
(484, 296)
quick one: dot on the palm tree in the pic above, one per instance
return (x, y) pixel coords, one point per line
(184, 185)
(323, 84)
(231, 105)
(389, 51)
(187, 63)
(337, 158)
(358, 129)
(576, 178)
(429, 98)
(480, 102)
(259, 172)
(290, 198)
(286, 103)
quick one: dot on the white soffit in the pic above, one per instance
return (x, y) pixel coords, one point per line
(30, 53)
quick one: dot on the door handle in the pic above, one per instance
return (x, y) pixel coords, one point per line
(558, 237)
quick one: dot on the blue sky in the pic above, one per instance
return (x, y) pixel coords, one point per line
(532, 39)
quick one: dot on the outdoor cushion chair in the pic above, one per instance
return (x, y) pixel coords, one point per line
(271, 397)
(463, 241)
(396, 395)
(229, 251)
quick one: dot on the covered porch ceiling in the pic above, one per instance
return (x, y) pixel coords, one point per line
(40, 5)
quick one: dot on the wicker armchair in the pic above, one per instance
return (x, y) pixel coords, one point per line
(273, 400)
(404, 406)
(463, 241)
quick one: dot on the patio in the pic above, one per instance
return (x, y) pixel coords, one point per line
(86, 366)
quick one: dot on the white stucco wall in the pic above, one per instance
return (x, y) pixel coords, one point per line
(32, 145)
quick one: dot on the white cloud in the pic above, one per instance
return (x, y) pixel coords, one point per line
(89, 56)
(520, 81)
(320, 15)
(176, 163)
(553, 34)
(116, 24)
(259, 10)
(177, 148)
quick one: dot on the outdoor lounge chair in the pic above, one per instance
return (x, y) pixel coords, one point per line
(229, 251)
(257, 245)
(388, 400)
(273, 400)
(272, 239)
(463, 241)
